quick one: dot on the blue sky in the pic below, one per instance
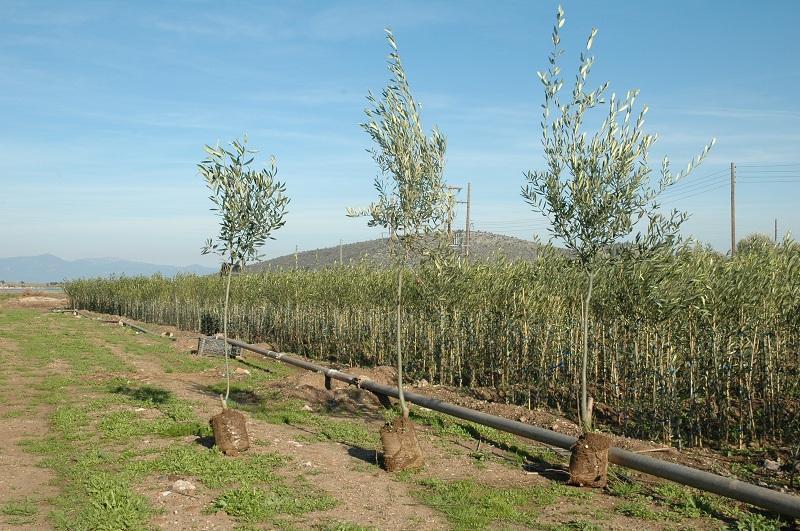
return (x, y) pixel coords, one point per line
(105, 107)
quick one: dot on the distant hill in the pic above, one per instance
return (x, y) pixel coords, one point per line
(49, 268)
(484, 246)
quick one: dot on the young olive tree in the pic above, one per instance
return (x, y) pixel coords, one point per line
(251, 204)
(597, 188)
(412, 195)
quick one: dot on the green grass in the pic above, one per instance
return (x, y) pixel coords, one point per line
(159, 349)
(258, 504)
(19, 512)
(266, 405)
(46, 338)
(211, 467)
(639, 508)
(95, 442)
(468, 504)
(443, 426)
(102, 501)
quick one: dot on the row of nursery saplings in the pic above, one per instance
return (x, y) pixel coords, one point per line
(692, 347)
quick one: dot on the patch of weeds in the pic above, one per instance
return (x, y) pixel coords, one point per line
(443, 425)
(349, 432)
(161, 350)
(258, 504)
(407, 474)
(211, 467)
(42, 341)
(344, 526)
(363, 466)
(103, 501)
(19, 512)
(638, 508)
(70, 421)
(178, 417)
(479, 459)
(146, 393)
(54, 382)
(624, 489)
(12, 414)
(757, 522)
(76, 466)
(576, 525)
(471, 505)
(126, 425)
(45, 446)
(683, 501)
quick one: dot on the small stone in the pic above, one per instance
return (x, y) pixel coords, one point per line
(139, 409)
(166, 493)
(308, 464)
(772, 466)
(307, 408)
(239, 370)
(295, 443)
(183, 486)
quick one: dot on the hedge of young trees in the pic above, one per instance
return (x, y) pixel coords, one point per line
(688, 346)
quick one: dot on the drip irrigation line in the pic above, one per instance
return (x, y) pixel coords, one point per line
(771, 500)
(120, 321)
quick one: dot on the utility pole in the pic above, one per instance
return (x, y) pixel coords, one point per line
(295, 256)
(341, 261)
(733, 209)
(776, 230)
(451, 206)
(467, 229)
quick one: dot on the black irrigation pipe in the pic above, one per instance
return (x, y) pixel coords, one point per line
(777, 502)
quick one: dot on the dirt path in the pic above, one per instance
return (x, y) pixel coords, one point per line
(372, 499)
(22, 481)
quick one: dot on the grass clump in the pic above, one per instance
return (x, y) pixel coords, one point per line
(178, 418)
(127, 425)
(19, 512)
(638, 508)
(102, 501)
(471, 505)
(257, 504)
(211, 467)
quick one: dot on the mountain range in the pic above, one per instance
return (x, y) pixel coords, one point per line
(50, 268)
(483, 246)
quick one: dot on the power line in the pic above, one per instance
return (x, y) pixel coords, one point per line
(680, 188)
(771, 181)
(694, 193)
(793, 170)
(768, 165)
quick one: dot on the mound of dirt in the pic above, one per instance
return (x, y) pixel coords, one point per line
(40, 301)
